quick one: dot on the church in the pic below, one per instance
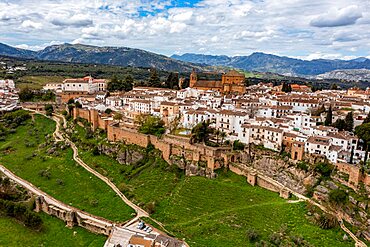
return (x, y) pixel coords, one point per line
(231, 82)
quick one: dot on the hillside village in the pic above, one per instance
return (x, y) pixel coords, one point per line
(263, 115)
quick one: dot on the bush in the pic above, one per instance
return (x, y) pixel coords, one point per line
(324, 168)
(237, 145)
(44, 173)
(252, 235)
(303, 165)
(150, 207)
(326, 221)
(338, 196)
(60, 181)
(21, 213)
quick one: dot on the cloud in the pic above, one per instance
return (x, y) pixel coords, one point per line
(78, 20)
(231, 27)
(338, 17)
(37, 47)
(28, 24)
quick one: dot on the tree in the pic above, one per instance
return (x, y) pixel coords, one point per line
(340, 124)
(217, 134)
(108, 111)
(118, 116)
(334, 87)
(349, 121)
(329, 117)
(238, 145)
(363, 132)
(222, 135)
(367, 119)
(338, 196)
(201, 132)
(172, 80)
(154, 80)
(26, 94)
(128, 83)
(174, 124)
(121, 85)
(286, 88)
(49, 109)
(152, 125)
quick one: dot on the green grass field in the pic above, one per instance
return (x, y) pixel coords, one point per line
(53, 233)
(37, 82)
(68, 182)
(213, 212)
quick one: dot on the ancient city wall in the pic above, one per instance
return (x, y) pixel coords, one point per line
(254, 178)
(72, 216)
(355, 176)
(168, 145)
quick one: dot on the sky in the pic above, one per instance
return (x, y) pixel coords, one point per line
(306, 29)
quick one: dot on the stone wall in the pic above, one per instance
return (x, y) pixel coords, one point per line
(93, 117)
(253, 178)
(354, 172)
(168, 145)
(73, 216)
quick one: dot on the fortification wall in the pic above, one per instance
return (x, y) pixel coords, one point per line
(254, 178)
(115, 133)
(168, 145)
(72, 216)
(354, 172)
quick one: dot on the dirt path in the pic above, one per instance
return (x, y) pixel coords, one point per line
(59, 136)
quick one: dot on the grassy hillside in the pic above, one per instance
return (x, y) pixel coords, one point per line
(56, 173)
(54, 233)
(37, 82)
(208, 212)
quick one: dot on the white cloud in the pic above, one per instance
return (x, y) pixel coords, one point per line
(338, 17)
(28, 24)
(287, 27)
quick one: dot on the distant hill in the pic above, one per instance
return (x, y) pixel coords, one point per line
(271, 63)
(347, 74)
(6, 50)
(121, 56)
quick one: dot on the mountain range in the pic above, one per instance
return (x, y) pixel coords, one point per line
(120, 56)
(271, 63)
(124, 56)
(347, 74)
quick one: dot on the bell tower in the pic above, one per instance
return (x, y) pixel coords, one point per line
(193, 78)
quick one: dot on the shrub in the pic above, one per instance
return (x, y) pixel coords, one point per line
(326, 221)
(275, 238)
(60, 181)
(237, 145)
(150, 207)
(44, 173)
(324, 168)
(303, 165)
(338, 196)
(252, 235)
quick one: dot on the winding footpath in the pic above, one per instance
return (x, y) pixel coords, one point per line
(60, 137)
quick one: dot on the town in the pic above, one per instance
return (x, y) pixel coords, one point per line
(296, 122)
(212, 124)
